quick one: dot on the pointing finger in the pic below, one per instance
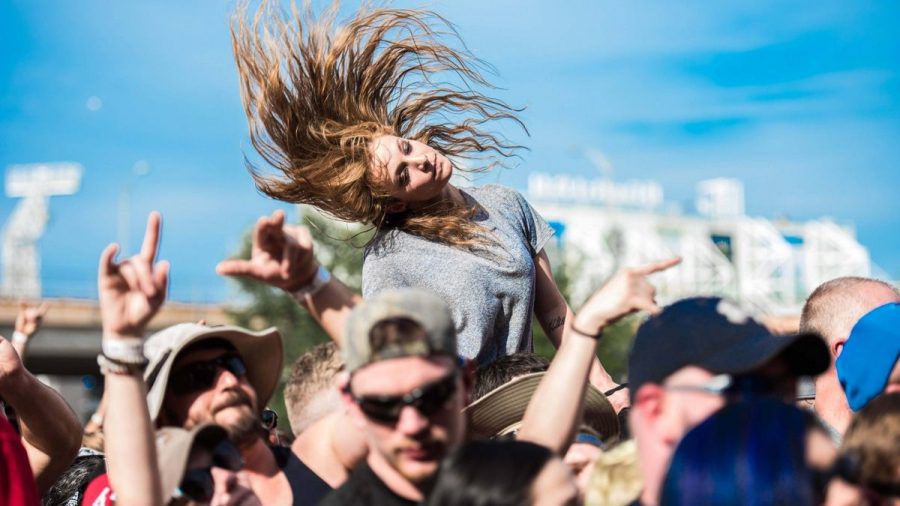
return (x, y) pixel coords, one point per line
(658, 266)
(234, 268)
(151, 237)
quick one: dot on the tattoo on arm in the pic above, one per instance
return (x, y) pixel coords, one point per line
(556, 323)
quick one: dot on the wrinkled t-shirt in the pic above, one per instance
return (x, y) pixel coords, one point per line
(490, 291)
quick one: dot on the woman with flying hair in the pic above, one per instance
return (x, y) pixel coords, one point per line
(367, 121)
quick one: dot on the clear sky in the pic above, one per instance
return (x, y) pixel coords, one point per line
(799, 100)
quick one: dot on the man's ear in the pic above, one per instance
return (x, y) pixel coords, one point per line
(648, 404)
(837, 347)
(343, 385)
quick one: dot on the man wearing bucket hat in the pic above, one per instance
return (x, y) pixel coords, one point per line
(859, 320)
(193, 375)
(225, 375)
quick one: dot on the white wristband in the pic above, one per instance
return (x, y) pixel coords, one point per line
(19, 337)
(321, 279)
(130, 349)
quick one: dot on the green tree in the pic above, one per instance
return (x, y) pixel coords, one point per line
(616, 340)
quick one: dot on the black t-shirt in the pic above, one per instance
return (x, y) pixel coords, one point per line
(306, 486)
(363, 488)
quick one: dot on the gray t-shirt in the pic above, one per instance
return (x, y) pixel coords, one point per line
(490, 293)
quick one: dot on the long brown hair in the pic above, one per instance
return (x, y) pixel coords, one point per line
(316, 94)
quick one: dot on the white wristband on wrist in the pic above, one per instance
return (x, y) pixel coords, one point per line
(321, 279)
(19, 338)
(129, 350)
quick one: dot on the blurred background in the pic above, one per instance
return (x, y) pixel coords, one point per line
(758, 139)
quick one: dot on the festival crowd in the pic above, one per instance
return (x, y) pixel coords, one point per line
(429, 391)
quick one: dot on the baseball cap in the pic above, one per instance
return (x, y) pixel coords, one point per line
(262, 352)
(869, 355)
(716, 334)
(420, 306)
(500, 411)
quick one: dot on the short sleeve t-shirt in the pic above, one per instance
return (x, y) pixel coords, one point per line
(490, 291)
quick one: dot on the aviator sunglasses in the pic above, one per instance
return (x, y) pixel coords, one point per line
(428, 400)
(199, 376)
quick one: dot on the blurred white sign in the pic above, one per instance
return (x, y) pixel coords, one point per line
(633, 194)
(43, 179)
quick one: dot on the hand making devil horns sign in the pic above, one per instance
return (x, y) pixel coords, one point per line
(132, 291)
(281, 255)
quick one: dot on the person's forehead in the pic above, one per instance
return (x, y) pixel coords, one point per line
(401, 375)
(382, 150)
(688, 374)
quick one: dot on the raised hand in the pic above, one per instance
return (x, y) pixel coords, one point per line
(132, 291)
(626, 292)
(28, 320)
(281, 255)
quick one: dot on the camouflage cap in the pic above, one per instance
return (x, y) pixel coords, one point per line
(420, 306)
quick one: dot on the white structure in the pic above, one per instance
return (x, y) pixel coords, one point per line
(34, 184)
(770, 266)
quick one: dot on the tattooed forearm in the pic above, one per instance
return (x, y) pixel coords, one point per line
(556, 323)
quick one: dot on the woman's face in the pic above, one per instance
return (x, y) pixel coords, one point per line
(413, 172)
(554, 486)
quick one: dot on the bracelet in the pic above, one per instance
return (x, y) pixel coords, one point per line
(124, 350)
(111, 366)
(19, 337)
(595, 337)
(615, 389)
(321, 279)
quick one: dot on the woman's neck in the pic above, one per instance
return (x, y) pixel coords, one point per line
(450, 193)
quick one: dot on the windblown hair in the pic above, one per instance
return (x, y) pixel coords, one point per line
(316, 95)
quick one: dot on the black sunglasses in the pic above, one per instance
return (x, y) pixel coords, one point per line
(428, 400)
(269, 419)
(199, 376)
(197, 484)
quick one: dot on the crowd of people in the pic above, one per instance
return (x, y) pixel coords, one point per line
(429, 392)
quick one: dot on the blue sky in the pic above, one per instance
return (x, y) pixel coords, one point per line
(801, 101)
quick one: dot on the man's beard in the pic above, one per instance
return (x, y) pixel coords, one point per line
(244, 430)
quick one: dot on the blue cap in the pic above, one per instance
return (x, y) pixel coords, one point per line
(869, 355)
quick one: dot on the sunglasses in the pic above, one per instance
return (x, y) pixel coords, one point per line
(199, 376)
(428, 400)
(198, 485)
(269, 419)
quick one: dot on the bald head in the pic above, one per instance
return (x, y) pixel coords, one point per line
(835, 306)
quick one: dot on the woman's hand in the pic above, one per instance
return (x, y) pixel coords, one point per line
(281, 255)
(132, 291)
(626, 292)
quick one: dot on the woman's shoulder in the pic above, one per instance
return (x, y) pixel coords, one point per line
(496, 196)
